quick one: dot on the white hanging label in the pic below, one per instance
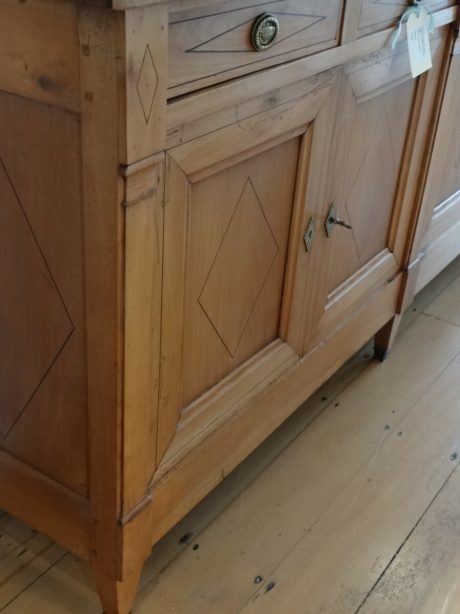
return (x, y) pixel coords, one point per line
(418, 40)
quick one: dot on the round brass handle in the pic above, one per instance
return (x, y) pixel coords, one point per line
(265, 31)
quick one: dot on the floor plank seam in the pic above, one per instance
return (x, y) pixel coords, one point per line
(408, 536)
(332, 399)
(26, 588)
(19, 544)
(430, 315)
(36, 556)
(364, 464)
(443, 289)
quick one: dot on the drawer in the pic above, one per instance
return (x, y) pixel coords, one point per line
(378, 14)
(210, 42)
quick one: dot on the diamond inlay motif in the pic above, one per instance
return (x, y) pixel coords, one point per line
(240, 269)
(34, 323)
(369, 200)
(294, 24)
(147, 84)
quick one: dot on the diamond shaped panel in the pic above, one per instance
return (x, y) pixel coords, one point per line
(369, 203)
(34, 323)
(242, 264)
(147, 83)
(228, 41)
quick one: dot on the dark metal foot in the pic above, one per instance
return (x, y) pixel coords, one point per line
(381, 354)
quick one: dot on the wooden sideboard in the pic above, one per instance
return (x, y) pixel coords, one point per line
(195, 234)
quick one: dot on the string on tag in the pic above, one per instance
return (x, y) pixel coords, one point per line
(412, 10)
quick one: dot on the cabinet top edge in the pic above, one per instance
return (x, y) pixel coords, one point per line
(123, 5)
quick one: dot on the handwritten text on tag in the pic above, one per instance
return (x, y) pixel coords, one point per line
(418, 40)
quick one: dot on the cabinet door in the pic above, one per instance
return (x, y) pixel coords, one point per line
(379, 116)
(236, 200)
(364, 17)
(440, 220)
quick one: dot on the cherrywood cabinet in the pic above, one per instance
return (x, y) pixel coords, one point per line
(194, 236)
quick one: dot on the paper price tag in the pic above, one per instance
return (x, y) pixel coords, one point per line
(418, 40)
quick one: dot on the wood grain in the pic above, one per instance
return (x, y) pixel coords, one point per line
(212, 43)
(39, 47)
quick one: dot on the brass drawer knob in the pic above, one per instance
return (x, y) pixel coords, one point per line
(265, 31)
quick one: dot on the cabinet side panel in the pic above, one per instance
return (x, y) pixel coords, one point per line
(42, 332)
(39, 51)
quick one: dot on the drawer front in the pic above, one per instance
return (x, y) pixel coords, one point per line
(380, 14)
(213, 43)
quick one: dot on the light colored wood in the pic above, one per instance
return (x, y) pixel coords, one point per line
(264, 365)
(40, 501)
(229, 165)
(145, 54)
(196, 472)
(439, 225)
(445, 216)
(143, 280)
(245, 541)
(351, 21)
(420, 140)
(410, 582)
(211, 102)
(309, 288)
(207, 153)
(32, 36)
(212, 43)
(380, 97)
(438, 255)
(328, 547)
(251, 225)
(378, 15)
(248, 532)
(358, 260)
(42, 307)
(30, 555)
(446, 306)
(78, 593)
(117, 598)
(431, 291)
(172, 231)
(103, 215)
(385, 337)
(176, 193)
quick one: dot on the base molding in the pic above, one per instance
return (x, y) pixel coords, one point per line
(45, 504)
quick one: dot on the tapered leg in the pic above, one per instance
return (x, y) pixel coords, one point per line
(384, 339)
(117, 597)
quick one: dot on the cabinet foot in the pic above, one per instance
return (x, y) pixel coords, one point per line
(384, 339)
(117, 597)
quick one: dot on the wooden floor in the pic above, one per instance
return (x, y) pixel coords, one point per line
(352, 506)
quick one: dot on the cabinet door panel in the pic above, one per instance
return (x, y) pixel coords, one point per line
(381, 110)
(379, 125)
(238, 229)
(236, 200)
